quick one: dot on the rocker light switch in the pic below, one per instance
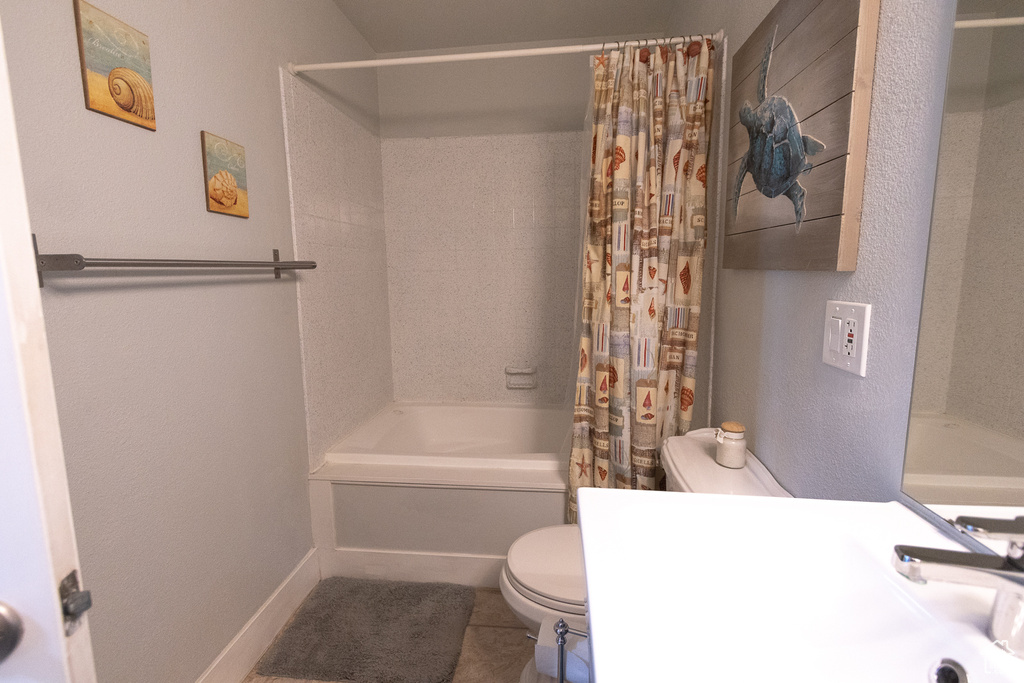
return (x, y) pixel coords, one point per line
(834, 332)
(845, 345)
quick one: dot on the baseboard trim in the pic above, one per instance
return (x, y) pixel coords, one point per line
(405, 565)
(241, 654)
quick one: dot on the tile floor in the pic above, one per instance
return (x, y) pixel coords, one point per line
(494, 650)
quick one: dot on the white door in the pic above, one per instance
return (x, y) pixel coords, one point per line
(37, 539)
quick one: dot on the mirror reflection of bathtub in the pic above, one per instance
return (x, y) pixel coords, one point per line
(951, 460)
(966, 434)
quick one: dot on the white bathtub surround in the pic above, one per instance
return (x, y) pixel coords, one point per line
(337, 197)
(439, 492)
(951, 460)
(483, 245)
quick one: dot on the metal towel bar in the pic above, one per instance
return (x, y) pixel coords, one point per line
(70, 262)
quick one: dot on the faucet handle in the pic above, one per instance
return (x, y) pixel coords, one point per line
(1011, 530)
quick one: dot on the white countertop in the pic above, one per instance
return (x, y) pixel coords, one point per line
(700, 587)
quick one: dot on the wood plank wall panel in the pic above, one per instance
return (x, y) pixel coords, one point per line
(822, 63)
(778, 248)
(786, 16)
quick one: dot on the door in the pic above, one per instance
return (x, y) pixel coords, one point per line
(37, 540)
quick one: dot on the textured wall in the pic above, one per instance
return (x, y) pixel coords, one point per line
(822, 432)
(334, 167)
(483, 239)
(180, 398)
(987, 382)
(951, 218)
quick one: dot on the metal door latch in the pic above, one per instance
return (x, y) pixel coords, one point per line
(73, 601)
(11, 630)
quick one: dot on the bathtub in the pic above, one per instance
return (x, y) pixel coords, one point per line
(950, 460)
(429, 492)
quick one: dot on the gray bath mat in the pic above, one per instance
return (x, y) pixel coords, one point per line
(369, 631)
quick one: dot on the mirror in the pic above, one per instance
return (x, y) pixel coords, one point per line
(966, 436)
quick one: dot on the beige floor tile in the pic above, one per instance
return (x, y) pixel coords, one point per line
(493, 655)
(490, 609)
(254, 677)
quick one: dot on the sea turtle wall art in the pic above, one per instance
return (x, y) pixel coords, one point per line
(797, 136)
(777, 155)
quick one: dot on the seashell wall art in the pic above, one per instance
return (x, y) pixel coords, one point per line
(224, 176)
(116, 71)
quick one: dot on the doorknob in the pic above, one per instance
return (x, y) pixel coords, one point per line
(10, 630)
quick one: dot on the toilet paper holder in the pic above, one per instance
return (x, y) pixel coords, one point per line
(561, 631)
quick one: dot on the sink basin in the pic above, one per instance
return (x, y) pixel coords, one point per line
(685, 586)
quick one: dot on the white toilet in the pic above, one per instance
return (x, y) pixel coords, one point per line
(543, 572)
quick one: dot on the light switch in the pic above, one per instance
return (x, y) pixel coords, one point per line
(845, 343)
(835, 334)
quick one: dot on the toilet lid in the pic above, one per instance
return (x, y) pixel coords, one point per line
(549, 562)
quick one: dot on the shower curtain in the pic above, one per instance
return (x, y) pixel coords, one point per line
(643, 262)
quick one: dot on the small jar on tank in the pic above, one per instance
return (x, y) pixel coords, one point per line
(732, 445)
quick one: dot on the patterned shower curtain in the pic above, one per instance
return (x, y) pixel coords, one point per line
(643, 262)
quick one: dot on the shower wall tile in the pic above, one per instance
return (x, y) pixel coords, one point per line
(947, 250)
(483, 238)
(987, 382)
(337, 205)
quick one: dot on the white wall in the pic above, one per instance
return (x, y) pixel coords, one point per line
(180, 398)
(334, 167)
(822, 432)
(483, 241)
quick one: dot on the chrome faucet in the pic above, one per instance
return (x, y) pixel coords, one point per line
(1005, 574)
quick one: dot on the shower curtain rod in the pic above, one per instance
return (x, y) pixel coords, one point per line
(989, 23)
(497, 54)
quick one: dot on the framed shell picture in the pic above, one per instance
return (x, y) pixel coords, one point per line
(116, 72)
(797, 141)
(224, 176)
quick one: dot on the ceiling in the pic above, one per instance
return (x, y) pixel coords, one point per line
(407, 25)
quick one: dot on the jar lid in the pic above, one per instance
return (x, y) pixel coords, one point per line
(733, 427)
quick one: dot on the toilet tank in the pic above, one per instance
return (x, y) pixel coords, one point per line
(689, 463)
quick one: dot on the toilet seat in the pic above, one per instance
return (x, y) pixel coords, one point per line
(533, 596)
(546, 567)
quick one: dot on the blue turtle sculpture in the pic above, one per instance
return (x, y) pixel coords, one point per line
(777, 155)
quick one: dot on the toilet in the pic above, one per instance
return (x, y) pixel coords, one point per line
(543, 573)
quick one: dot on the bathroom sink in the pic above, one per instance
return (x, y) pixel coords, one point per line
(684, 586)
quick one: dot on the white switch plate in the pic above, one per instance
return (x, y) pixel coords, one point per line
(850, 351)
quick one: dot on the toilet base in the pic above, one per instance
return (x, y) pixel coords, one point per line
(531, 675)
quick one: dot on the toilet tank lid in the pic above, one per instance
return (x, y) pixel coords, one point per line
(549, 562)
(689, 463)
